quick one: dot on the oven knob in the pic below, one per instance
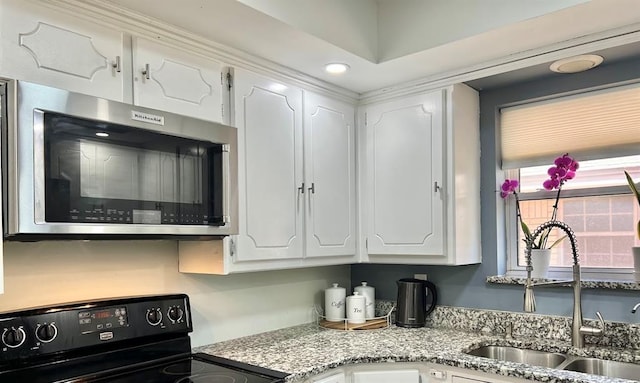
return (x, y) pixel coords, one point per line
(175, 313)
(13, 337)
(154, 316)
(46, 332)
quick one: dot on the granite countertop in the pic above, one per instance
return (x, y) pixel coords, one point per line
(306, 350)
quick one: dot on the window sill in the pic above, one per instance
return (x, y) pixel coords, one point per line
(586, 284)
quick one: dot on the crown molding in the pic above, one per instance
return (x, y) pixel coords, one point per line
(582, 45)
(136, 24)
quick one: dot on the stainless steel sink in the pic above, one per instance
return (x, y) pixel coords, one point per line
(606, 368)
(513, 354)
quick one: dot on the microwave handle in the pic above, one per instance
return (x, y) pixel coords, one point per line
(226, 182)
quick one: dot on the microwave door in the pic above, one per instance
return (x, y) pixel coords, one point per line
(128, 176)
(79, 165)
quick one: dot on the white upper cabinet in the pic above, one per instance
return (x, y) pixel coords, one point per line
(329, 177)
(168, 79)
(268, 116)
(296, 183)
(46, 46)
(404, 141)
(421, 179)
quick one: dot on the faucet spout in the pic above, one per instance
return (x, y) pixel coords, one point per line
(578, 330)
(635, 308)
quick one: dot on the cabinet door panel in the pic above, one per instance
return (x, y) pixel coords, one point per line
(330, 178)
(48, 47)
(405, 161)
(336, 378)
(395, 376)
(269, 122)
(178, 81)
(459, 379)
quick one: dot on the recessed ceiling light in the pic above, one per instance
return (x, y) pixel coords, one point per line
(336, 68)
(576, 64)
(102, 134)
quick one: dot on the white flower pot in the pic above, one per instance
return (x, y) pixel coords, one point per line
(540, 259)
(636, 262)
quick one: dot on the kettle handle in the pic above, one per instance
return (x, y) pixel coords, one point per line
(430, 290)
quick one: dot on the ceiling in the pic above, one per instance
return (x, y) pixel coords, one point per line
(390, 42)
(611, 56)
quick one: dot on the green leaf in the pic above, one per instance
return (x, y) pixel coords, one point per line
(634, 189)
(525, 229)
(557, 242)
(632, 186)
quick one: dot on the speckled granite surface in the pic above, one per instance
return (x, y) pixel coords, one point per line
(307, 350)
(529, 325)
(611, 285)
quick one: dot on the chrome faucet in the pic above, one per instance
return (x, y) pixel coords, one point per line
(635, 308)
(578, 329)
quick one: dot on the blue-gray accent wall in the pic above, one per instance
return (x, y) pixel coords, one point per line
(465, 286)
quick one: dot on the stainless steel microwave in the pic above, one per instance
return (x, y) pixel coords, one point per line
(80, 166)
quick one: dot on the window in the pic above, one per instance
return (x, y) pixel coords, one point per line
(597, 203)
(597, 207)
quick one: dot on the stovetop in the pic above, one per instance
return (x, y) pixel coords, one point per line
(118, 340)
(195, 369)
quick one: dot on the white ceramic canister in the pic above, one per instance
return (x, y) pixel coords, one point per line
(369, 293)
(356, 308)
(334, 301)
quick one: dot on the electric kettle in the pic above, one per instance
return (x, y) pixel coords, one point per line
(416, 299)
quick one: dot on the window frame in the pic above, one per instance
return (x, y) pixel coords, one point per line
(512, 228)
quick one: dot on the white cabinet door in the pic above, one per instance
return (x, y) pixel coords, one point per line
(404, 176)
(1, 230)
(268, 116)
(44, 46)
(459, 379)
(329, 177)
(169, 79)
(335, 378)
(395, 376)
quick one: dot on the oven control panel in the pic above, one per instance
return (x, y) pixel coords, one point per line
(74, 326)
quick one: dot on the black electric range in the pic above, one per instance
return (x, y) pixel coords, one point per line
(123, 340)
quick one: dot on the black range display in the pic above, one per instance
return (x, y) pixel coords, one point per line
(103, 319)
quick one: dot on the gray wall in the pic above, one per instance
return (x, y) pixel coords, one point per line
(465, 286)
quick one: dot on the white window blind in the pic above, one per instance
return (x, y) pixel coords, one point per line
(598, 124)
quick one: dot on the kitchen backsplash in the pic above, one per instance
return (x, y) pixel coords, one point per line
(525, 325)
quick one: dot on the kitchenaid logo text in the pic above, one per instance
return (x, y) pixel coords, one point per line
(146, 117)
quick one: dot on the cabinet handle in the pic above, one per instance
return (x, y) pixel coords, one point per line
(436, 187)
(301, 188)
(312, 189)
(116, 65)
(145, 71)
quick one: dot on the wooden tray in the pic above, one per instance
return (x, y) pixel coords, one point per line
(344, 325)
